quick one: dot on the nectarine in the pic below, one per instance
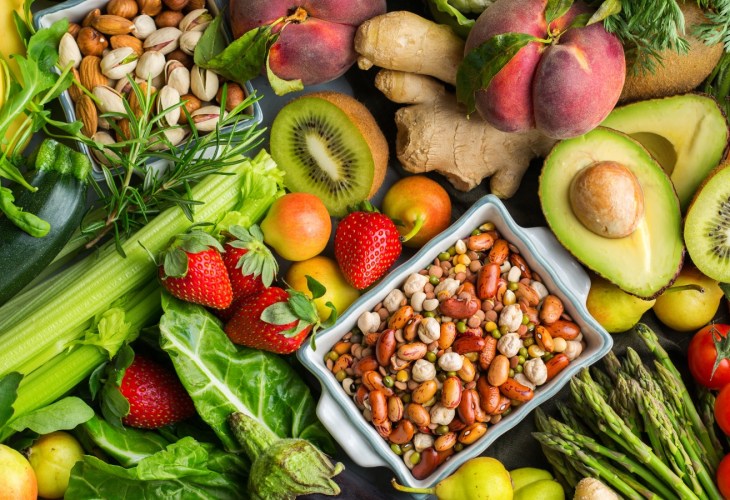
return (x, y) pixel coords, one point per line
(297, 226)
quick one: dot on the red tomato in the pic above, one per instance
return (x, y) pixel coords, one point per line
(722, 410)
(703, 353)
(723, 476)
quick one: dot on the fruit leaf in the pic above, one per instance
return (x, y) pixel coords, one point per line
(556, 9)
(176, 263)
(303, 307)
(279, 85)
(725, 287)
(243, 59)
(278, 313)
(212, 43)
(722, 346)
(296, 329)
(607, 8)
(483, 62)
(8, 392)
(114, 405)
(314, 286)
(198, 241)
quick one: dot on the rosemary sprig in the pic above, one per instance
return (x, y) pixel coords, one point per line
(132, 193)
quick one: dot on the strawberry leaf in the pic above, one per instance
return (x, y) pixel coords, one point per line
(258, 259)
(198, 241)
(176, 263)
(296, 329)
(332, 317)
(278, 313)
(303, 307)
(314, 286)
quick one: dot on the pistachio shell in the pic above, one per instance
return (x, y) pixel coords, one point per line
(144, 26)
(203, 83)
(188, 41)
(196, 20)
(179, 78)
(168, 97)
(151, 64)
(68, 52)
(164, 40)
(206, 118)
(119, 62)
(109, 100)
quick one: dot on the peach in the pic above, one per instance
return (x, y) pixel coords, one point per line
(297, 226)
(563, 88)
(316, 46)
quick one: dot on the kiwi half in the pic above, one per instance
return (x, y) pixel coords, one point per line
(330, 145)
(707, 226)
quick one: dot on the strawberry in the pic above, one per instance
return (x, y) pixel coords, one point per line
(277, 320)
(193, 270)
(251, 265)
(156, 396)
(367, 243)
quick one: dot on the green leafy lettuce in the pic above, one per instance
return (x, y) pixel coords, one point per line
(223, 379)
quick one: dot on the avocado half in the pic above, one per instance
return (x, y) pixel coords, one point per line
(687, 134)
(646, 261)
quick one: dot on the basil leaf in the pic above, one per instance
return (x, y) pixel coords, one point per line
(212, 43)
(8, 392)
(64, 414)
(556, 9)
(183, 470)
(484, 61)
(222, 378)
(243, 59)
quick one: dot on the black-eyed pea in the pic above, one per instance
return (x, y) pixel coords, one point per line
(400, 317)
(451, 392)
(551, 310)
(445, 441)
(424, 392)
(402, 433)
(472, 433)
(467, 372)
(348, 385)
(544, 339)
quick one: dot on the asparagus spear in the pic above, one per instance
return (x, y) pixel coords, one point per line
(632, 444)
(622, 402)
(707, 412)
(652, 342)
(612, 365)
(565, 473)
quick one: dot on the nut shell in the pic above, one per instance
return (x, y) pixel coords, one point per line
(91, 42)
(68, 52)
(144, 26)
(122, 8)
(150, 7)
(168, 19)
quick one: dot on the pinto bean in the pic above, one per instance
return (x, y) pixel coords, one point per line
(556, 365)
(402, 433)
(466, 408)
(517, 260)
(498, 370)
(467, 371)
(418, 414)
(480, 242)
(488, 352)
(460, 308)
(451, 392)
(448, 335)
(499, 252)
(430, 460)
(374, 382)
(528, 294)
(424, 392)
(342, 363)
(411, 329)
(551, 310)
(395, 408)
(385, 347)
(544, 339)
(488, 395)
(383, 429)
(516, 391)
(412, 351)
(400, 317)
(472, 432)
(365, 364)
(468, 343)
(378, 406)
(445, 441)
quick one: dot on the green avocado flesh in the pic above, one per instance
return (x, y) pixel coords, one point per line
(687, 134)
(642, 263)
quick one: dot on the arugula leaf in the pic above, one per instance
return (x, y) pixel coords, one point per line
(486, 60)
(8, 392)
(64, 414)
(223, 379)
(186, 470)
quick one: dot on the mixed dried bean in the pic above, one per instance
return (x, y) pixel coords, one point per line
(454, 349)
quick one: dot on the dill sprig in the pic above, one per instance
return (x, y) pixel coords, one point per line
(646, 27)
(132, 193)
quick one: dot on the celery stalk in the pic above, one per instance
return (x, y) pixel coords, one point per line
(113, 276)
(55, 378)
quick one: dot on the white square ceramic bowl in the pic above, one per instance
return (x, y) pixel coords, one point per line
(75, 11)
(562, 275)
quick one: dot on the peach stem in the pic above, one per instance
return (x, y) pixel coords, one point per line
(299, 16)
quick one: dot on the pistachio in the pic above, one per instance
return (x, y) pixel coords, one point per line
(188, 41)
(144, 26)
(109, 100)
(91, 42)
(68, 52)
(196, 20)
(164, 40)
(119, 62)
(166, 99)
(177, 76)
(151, 64)
(203, 83)
(124, 86)
(172, 137)
(206, 118)
(103, 155)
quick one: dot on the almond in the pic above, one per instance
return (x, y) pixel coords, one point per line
(90, 72)
(89, 18)
(74, 91)
(119, 41)
(112, 25)
(86, 112)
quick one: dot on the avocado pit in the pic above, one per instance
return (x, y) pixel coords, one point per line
(607, 199)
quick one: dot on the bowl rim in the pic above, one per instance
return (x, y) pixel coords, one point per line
(67, 104)
(550, 266)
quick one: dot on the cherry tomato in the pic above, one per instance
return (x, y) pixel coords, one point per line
(703, 353)
(723, 476)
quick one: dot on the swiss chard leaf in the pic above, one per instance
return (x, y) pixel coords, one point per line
(8, 392)
(483, 62)
(64, 414)
(185, 469)
(222, 378)
(126, 445)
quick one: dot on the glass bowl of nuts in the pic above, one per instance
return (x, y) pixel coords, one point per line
(455, 347)
(152, 40)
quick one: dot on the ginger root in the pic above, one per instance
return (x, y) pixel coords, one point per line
(435, 135)
(434, 132)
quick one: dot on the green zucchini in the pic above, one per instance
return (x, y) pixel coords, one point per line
(61, 178)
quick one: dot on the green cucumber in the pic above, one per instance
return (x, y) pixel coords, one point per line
(61, 179)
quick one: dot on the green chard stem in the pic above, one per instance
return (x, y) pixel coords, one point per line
(652, 342)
